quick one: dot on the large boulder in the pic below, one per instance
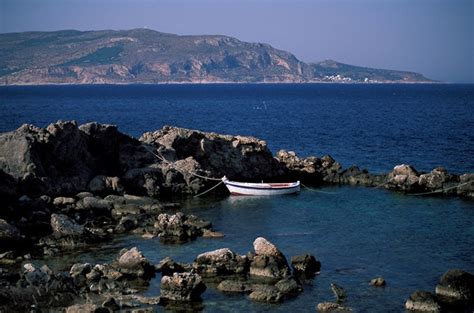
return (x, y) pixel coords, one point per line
(220, 262)
(182, 287)
(422, 301)
(456, 287)
(268, 261)
(63, 158)
(132, 263)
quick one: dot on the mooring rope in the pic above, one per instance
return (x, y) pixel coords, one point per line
(212, 188)
(160, 157)
(320, 191)
(439, 190)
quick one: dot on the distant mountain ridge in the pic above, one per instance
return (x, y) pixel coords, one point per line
(148, 56)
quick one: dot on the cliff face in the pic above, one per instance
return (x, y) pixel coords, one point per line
(147, 56)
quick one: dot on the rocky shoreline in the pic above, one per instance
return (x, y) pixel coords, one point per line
(68, 187)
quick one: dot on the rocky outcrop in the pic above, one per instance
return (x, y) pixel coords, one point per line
(237, 157)
(182, 287)
(64, 159)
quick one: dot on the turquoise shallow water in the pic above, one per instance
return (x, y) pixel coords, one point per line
(356, 233)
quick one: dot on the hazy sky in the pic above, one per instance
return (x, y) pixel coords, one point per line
(434, 37)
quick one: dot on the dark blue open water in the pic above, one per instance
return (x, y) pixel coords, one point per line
(357, 233)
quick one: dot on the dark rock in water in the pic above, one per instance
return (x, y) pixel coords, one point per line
(378, 282)
(212, 234)
(127, 223)
(64, 202)
(306, 265)
(264, 293)
(220, 262)
(422, 301)
(466, 186)
(331, 307)
(339, 292)
(95, 204)
(234, 286)
(63, 225)
(268, 261)
(180, 226)
(133, 263)
(289, 287)
(8, 187)
(182, 287)
(40, 287)
(9, 236)
(102, 184)
(111, 304)
(82, 308)
(167, 267)
(456, 287)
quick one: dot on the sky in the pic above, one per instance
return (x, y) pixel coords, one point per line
(432, 37)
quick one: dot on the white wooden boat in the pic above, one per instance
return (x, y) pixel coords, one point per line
(261, 189)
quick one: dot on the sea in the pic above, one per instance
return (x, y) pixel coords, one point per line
(357, 233)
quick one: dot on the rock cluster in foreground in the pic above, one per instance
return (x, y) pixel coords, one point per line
(454, 293)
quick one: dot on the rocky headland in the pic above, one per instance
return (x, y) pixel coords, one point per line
(146, 56)
(68, 187)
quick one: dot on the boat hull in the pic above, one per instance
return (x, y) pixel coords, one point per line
(250, 189)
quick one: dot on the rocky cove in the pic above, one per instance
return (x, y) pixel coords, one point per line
(74, 187)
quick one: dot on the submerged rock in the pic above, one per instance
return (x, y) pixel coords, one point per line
(235, 286)
(220, 262)
(331, 307)
(265, 293)
(378, 282)
(288, 286)
(306, 265)
(339, 292)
